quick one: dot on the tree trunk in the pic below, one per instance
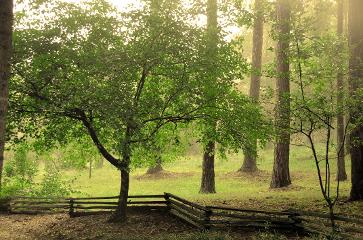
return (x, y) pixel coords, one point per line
(356, 84)
(121, 212)
(208, 176)
(90, 169)
(6, 26)
(341, 174)
(281, 174)
(157, 168)
(249, 163)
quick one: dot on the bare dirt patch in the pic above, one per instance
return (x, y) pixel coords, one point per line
(61, 226)
(140, 226)
(258, 175)
(162, 175)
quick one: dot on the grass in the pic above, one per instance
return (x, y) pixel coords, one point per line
(233, 189)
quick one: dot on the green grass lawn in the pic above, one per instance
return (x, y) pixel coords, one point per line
(242, 190)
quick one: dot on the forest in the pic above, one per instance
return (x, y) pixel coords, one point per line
(181, 119)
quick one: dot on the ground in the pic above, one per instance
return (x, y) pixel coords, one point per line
(182, 177)
(60, 226)
(139, 227)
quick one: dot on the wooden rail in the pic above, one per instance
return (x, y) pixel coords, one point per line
(95, 205)
(81, 206)
(199, 216)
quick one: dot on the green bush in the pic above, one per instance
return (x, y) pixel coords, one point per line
(20, 173)
(52, 185)
(21, 170)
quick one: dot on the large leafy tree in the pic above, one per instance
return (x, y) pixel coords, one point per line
(208, 176)
(90, 70)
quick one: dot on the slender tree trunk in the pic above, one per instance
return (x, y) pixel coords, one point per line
(208, 176)
(155, 7)
(90, 169)
(99, 162)
(6, 27)
(281, 173)
(341, 174)
(249, 163)
(356, 84)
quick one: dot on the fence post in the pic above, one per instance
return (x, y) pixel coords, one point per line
(208, 214)
(167, 197)
(71, 207)
(297, 221)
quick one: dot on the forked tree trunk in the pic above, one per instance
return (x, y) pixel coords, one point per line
(356, 83)
(341, 174)
(208, 176)
(249, 162)
(281, 173)
(6, 25)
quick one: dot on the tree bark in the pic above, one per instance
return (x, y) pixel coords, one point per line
(355, 24)
(121, 212)
(6, 29)
(341, 174)
(123, 165)
(249, 163)
(90, 169)
(208, 176)
(281, 173)
(157, 168)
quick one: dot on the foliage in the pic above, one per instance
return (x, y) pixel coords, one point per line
(92, 70)
(52, 185)
(78, 154)
(22, 174)
(20, 171)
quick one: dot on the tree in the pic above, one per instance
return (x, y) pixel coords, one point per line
(249, 163)
(316, 59)
(341, 174)
(114, 78)
(208, 175)
(356, 85)
(281, 172)
(157, 165)
(6, 19)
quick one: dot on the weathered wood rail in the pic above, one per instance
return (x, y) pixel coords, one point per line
(82, 206)
(199, 216)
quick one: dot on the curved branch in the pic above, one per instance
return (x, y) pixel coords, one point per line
(93, 134)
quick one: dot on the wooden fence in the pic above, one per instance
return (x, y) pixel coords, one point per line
(85, 206)
(35, 205)
(201, 217)
(82, 206)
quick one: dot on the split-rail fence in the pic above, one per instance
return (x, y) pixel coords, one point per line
(197, 215)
